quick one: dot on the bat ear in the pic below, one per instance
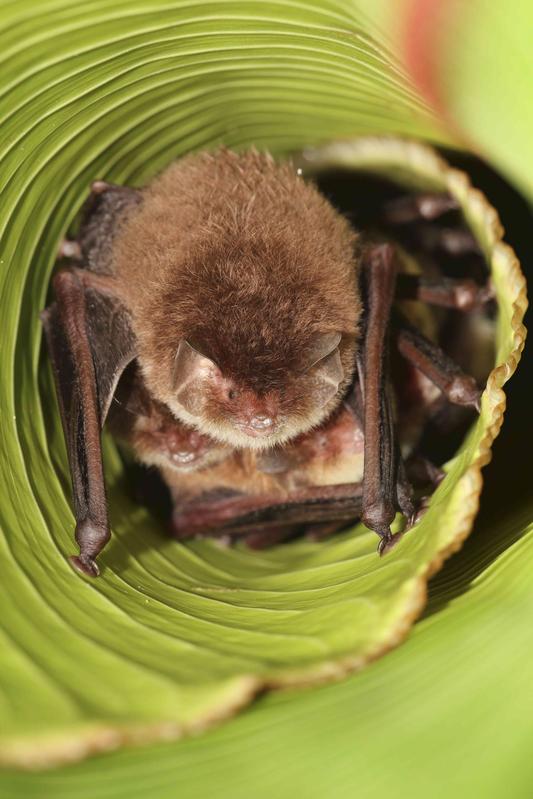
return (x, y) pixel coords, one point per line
(328, 377)
(191, 370)
(322, 345)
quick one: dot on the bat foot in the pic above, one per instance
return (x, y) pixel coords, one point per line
(421, 510)
(424, 472)
(388, 542)
(84, 565)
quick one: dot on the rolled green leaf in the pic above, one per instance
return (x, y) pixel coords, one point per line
(448, 712)
(174, 637)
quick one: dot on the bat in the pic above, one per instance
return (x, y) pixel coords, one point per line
(235, 329)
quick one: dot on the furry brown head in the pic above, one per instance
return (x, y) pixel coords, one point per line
(242, 281)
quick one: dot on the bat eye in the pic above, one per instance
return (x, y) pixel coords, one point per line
(232, 394)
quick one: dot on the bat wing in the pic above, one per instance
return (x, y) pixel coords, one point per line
(106, 209)
(91, 342)
(246, 515)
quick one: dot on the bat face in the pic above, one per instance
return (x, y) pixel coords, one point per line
(234, 412)
(153, 433)
(158, 441)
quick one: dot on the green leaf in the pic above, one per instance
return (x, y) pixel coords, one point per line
(173, 637)
(448, 713)
(473, 63)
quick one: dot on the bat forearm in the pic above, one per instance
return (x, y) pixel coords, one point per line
(379, 478)
(245, 514)
(65, 327)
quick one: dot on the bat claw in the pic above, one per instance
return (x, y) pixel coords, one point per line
(69, 249)
(421, 510)
(463, 390)
(414, 518)
(486, 293)
(388, 542)
(99, 186)
(84, 565)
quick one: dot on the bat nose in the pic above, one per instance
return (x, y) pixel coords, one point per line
(261, 423)
(183, 456)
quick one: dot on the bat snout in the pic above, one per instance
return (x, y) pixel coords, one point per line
(262, 422)
(256, 415)
(182, 456)
(259, 425)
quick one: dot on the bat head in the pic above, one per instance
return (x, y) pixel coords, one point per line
(153, 432)
(159, 441)
(245, 413)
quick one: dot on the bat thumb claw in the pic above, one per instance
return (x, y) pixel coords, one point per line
(99, 186)
(84, 565)
(69, 249)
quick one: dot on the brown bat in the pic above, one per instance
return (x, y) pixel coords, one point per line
(238, 330)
